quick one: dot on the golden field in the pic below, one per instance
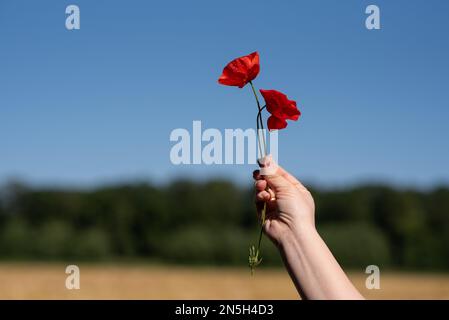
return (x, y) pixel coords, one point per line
(47, 281)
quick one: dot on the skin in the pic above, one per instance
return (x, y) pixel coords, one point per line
(290, 224)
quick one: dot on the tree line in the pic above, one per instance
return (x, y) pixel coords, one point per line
(214, 222)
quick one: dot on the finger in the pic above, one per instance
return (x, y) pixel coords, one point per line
(270, 209)
(256, 175)
(270, 167)
(260, 185)
(263, 196)
(278, 182)
(267, 165)
(290, 178)
(272, 174)
(272, 194)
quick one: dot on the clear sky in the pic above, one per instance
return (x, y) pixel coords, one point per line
(98, 104)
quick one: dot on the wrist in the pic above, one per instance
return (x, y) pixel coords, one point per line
(296, 235)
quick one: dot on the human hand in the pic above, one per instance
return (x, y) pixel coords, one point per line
(290, 224)
(289, 205)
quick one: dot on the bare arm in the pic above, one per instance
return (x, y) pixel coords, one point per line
(290, 224)
(313, 268)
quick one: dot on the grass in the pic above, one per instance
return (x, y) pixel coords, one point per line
(107, 281)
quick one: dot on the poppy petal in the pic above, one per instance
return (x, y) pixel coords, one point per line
(278, 104)
(240, 71)
(272, 102)
(291, 112)
(275, 123)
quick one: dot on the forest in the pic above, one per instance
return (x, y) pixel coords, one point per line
(214, 222)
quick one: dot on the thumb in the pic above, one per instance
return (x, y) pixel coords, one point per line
(273, 174)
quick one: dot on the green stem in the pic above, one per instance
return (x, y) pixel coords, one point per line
(259, 120)
(261, 229)
(254, 259)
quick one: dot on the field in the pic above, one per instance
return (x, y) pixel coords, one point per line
(47, 281)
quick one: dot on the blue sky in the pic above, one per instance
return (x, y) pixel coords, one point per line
(98, 104)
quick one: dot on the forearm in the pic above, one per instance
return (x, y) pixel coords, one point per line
(313, 268)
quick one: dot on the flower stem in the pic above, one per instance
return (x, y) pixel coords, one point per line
(259, 121)
(254, 259)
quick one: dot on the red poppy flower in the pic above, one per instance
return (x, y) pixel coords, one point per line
(240, 71)
(281, 109)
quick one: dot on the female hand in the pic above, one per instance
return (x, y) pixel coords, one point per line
(290, 223)
(290, 206)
